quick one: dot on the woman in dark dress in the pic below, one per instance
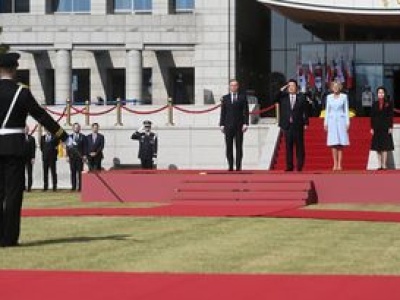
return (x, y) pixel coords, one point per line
(382, 126)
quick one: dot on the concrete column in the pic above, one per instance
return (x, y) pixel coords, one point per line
(99, 7)
(38, 7)
(161, 7)
(134, 66)
(63, 76)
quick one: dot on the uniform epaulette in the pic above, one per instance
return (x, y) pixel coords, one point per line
(59, 132)
(23, 85)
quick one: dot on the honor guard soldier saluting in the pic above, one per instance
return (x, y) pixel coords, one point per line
(16, 102)
(148, 145)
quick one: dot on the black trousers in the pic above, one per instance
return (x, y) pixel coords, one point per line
(52, 165)
(29, 170)
(147, 163)
(234, 135)
(12, 171)
(94, 163)
(294, 138)
(76, 167)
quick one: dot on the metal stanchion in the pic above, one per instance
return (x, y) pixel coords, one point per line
(277, 113)
(87, 112)
(68, 112)
(39, 132)
(119, 113)
(170, 113)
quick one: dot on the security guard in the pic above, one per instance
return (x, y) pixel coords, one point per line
(16, 102)
(148, 145)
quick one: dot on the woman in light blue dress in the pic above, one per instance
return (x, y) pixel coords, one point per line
(337, 123)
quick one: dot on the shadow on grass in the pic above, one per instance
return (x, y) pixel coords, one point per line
(80, 239)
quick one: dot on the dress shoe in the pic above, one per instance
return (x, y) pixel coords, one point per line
(289, 170)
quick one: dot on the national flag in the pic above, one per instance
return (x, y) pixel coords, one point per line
(310, 75)
(339, 71)
(328, 75)
(318, 75)
(349, 75)
(301, 77)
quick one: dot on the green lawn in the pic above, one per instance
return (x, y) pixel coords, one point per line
(66, 199)
(205, 245)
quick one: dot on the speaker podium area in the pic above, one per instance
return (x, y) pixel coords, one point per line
(239, 190)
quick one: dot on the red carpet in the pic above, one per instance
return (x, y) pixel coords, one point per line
(318, 155)
(175, 210)
(32, 285)
(214, 210)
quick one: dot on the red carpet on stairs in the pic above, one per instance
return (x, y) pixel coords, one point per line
(318, 155)
(46, 285)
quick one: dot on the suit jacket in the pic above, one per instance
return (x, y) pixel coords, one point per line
(382, 119)
(30, 148)
(79, 145)
(299, 113)
(96, 146)
(236, 114)
(49, 148)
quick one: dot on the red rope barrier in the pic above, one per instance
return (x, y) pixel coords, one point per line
(100, 112)
(260, 111)
(197, 111)
(62, 115)
(150, 112)
(53, 112)
(78, 111)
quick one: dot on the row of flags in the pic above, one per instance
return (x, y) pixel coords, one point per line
(319, 76)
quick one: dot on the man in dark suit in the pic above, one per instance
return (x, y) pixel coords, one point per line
(30, 154)
(48, 146)
(95, 144)
(234, 121)
(76, 155)
(16, 102)
(293, 121)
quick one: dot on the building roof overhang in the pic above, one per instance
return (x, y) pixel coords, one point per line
(307, 13)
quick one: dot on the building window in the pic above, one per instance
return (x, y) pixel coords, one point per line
(80, 85)
(182, 85)
(147, 86)
(135, 6)
(14, 6)
(115, 85)
(71, 6)
(184, 6)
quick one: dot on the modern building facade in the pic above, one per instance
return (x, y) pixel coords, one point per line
(356, 41)
(146, 50)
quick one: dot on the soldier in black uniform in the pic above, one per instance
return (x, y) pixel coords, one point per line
(16, 102)
(30, 154)
(49, 148)
(148, 145)
(77, 156)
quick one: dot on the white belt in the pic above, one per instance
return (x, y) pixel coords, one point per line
(7, 131)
